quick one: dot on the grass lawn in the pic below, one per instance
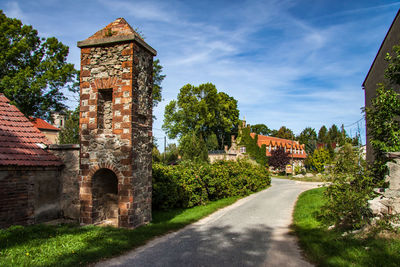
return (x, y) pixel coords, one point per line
(304, 179)
(330, 248)
(71, 245)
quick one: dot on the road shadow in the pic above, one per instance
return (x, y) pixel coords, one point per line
(201, 246)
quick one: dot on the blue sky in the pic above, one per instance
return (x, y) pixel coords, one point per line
(292, 63)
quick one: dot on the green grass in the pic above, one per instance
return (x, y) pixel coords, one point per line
(330, 248)
(71, 245)
(304, 179)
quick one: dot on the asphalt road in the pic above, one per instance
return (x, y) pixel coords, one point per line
(252, 232)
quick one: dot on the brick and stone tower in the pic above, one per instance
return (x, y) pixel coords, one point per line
(116, 127)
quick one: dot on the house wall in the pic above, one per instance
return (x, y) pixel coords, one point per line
(28, 195)
(215, 157)
(31, 195)
(376, 73)
(51, 135)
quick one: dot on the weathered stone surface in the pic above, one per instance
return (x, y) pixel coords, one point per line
(116, 126)
(394, 174)
(389, 200)
(69, 192)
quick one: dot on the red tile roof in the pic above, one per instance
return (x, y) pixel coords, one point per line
(119, 27)
(43, 125)
(19, 139)
(280, 142)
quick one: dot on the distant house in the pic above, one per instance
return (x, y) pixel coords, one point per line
(233, 153)
(297, 153)
(296, 150)
(50, 131)
(376, 72)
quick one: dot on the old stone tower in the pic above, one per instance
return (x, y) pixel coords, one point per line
(116, 127)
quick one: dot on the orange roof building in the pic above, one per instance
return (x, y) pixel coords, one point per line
(295, 149)
(50, 131)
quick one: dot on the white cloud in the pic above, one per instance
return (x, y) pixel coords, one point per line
(13, 10)
(146, 10)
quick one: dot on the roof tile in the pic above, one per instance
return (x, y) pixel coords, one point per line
(19, 139)
(280, 142)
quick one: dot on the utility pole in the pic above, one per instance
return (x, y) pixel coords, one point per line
(292, 158)
(165, 146)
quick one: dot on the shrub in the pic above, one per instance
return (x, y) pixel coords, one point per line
(319, 159)
(279, 159)
(350, 189)
(191, 184)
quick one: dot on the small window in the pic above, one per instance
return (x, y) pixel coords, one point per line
(61, 122)
(242, 149)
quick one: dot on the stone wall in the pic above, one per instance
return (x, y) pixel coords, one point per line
(115, 127)
(31, 195)
(388, 201)
(142, 134)
(69, 191)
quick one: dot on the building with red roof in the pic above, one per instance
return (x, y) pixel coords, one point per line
(32, 177)
(21, 143)
(50, 131)
(295, 149)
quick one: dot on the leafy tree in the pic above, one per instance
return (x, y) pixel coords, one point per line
(171, 154)
(279, 159)
(260, 129)
(350, 189)
(157, 80)
(283, 132)
(259, 154)
(319, 159)
(383, 116)
(70, 133)
(308, 137)
(383, 126)
(323, 135)
(202, 111)
(212, 142)
(155, 154)
(33, 70)
(193, 147)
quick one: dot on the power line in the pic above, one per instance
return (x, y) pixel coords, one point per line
(353, 123)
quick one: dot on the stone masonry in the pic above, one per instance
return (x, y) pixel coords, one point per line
(116, 125)
(388, 201)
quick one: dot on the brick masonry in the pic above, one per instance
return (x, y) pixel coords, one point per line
(116, 121)
(28, 195)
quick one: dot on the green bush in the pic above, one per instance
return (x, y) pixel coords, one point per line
(350, 189)
(319, 159)
(191, 184)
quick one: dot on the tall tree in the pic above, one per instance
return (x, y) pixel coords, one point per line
(33, 70)
(322, 135)
(70, 133)
(260, 129)
(201, 110)
(193, 147)
(308, 137)
(334, 135)
(283, 132)
(157, 80)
